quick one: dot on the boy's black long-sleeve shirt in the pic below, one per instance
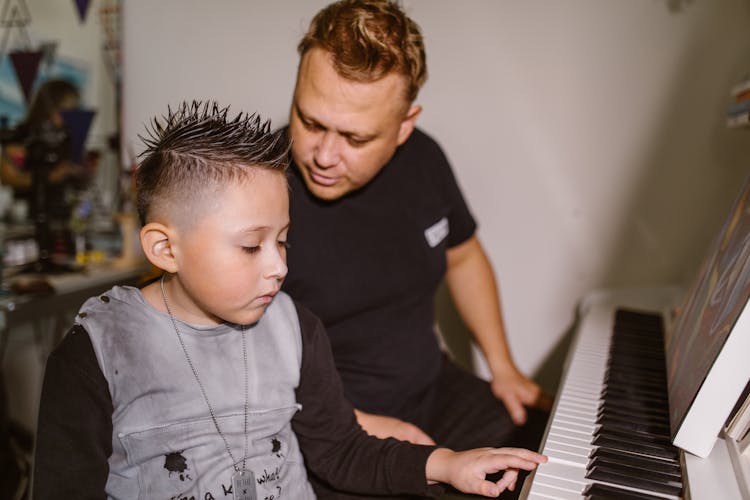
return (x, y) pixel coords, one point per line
(75, 427)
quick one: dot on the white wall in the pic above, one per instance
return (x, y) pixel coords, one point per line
(587, 135)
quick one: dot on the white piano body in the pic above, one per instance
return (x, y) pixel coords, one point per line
(567, 440)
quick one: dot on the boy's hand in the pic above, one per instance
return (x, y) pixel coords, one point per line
(384, 427)
(466, 470)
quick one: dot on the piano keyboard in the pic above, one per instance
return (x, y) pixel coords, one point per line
(608, 437)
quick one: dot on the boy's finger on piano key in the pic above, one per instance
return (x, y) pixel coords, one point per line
(523, 453)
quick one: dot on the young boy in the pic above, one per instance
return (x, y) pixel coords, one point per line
(210, 382)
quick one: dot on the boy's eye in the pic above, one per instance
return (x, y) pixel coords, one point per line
(284, 245)
(251, 250)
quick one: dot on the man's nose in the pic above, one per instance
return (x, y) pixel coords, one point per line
(327, 150)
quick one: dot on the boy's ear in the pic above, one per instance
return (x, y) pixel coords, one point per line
(157, 240)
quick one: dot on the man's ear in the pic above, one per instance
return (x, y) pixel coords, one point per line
(408, 123)
(157, 241)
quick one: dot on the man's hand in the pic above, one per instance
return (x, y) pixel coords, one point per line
(516, 391)
(466, 470)
(384, 427)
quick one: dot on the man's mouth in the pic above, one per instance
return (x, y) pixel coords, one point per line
(322, 179)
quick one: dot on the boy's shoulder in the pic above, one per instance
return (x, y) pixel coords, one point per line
(114, 300)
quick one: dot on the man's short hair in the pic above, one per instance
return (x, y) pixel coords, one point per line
(369, 39)
(198, 145)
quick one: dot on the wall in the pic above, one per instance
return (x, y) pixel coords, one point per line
(588, 135)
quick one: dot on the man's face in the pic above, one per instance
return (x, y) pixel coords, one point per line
(232, 261)
(343, 132)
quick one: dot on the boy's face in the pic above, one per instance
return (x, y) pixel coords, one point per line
(343, 132)
(231, 261)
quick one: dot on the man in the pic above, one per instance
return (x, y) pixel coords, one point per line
(377, 222)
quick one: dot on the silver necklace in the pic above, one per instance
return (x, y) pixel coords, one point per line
(243, 481)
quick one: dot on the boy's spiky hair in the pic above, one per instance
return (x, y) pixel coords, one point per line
(198, 144)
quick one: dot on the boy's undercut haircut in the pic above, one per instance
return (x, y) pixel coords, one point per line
(199, 145)
(368, 39)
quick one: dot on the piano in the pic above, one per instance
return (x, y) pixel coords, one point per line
(650, 382)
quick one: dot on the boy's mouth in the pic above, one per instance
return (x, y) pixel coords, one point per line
(268, 297)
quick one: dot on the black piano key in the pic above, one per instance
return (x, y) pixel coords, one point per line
(637, 426)
(618, 427)
(604, 474)
(618, 387)
(635, 350)
(635, 397)
(615, 377)
(642, 319)
(657, 464)
(646, 402)
(639, 472)
(626, 409)
(598, 491)
(635, 415)
(647, 375)
(643, 437)
(617, 430)
(630, 363)
(620, 444)
(646, 445)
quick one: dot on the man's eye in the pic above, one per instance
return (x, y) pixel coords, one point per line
(311, 125)
(284, 245)
(251, 250)
(357, 143)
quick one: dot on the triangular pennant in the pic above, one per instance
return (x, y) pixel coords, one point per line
(15, 13)
(83, 8)
(78, 122)
(26, 65)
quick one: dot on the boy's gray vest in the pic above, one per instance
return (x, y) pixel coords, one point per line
(164, 443)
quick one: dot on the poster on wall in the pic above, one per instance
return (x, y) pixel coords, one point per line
(12, 101)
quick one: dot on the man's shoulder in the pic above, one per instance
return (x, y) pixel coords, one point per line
(420, 146)
(420, 137)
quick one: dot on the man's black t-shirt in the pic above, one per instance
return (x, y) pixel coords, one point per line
(368, 265)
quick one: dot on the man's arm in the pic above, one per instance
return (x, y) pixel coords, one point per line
(472, 285)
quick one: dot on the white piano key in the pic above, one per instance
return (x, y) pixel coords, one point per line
(570, 429)
(567, 453)
(562, 475)
(569, 438)
(566, 447)
(579, 402)
(583, 419)
(577, 413)
(545, 492)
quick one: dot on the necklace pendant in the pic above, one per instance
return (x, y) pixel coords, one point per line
(243, 485)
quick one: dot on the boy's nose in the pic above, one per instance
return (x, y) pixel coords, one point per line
(277, 268)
